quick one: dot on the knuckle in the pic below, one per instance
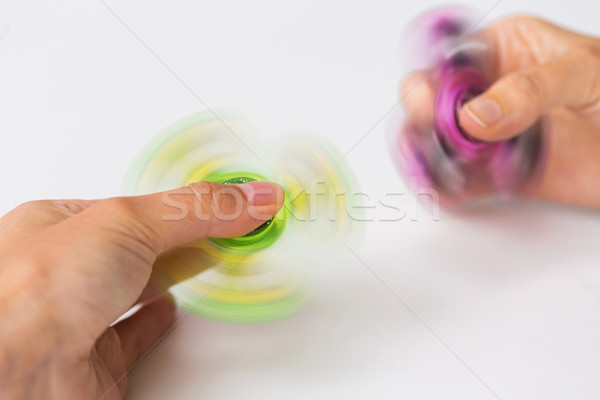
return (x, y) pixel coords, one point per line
(520, 22)
(524, 31)
(529, 20)
(203, 189)
(202, 202)
(33, 207)
(119, 207)
(50, 211)
(44, 212)
(217, 200)
(70, 207)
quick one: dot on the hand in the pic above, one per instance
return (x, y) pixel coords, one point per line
(70, 268)
(540, 71)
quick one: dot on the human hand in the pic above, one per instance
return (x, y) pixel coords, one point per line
(70, 268)
(541, 71)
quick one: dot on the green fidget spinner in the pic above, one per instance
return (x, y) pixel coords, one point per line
(262, 275)
(263, 236)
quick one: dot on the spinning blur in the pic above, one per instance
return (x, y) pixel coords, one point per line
(431, 149)
(257, 277)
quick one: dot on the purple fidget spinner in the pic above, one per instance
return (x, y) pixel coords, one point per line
(435, 152)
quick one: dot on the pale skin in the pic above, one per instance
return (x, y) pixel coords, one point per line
(70, 268)
(540, 71)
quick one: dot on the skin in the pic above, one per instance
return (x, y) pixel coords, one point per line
(540, 71)
(70, 268)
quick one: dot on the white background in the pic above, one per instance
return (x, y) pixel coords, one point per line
(505, 301)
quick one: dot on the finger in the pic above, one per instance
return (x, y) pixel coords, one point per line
(150, 292)
(109, 365)
(522, 42)
(141, 331)
(168, 219)
(174, 266)
(417, 93)
(33, 216)
(517, 100)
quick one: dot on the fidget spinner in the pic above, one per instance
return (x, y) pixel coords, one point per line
(433, 151)
(259, 276)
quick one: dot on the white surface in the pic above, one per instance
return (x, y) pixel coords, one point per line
(503, 300)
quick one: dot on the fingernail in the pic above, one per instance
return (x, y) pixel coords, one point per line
(260, 193)
(485, 112)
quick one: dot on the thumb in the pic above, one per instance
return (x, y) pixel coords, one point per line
(517, 100)
(164, 220)
(199, 210)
